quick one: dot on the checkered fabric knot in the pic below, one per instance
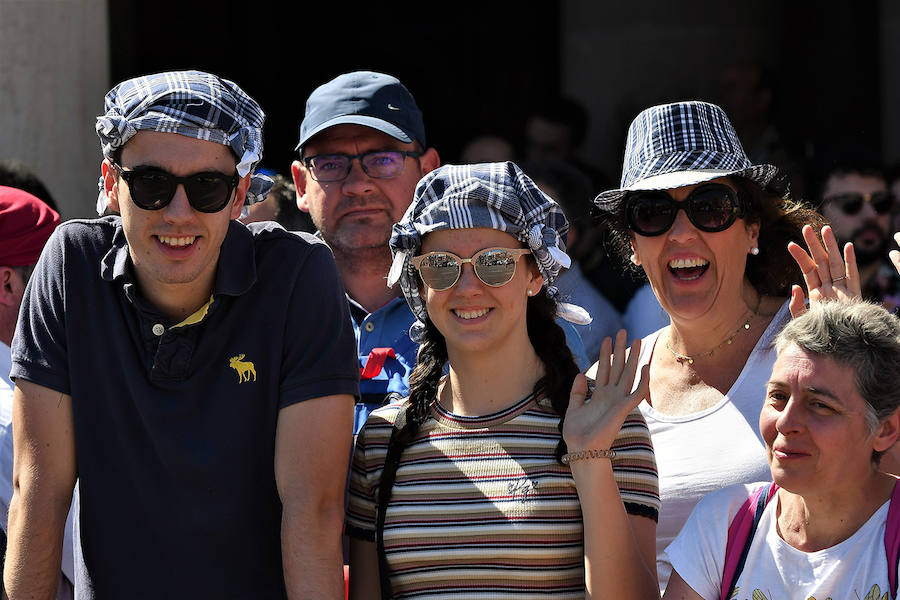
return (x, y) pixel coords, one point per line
(491, 195)
(191, 103)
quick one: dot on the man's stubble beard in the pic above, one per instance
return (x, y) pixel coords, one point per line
(865, 257)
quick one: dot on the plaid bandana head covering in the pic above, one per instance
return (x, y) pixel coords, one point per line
(191, 103)
(492, 195)
(684, 143)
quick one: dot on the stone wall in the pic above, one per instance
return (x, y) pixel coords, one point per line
(54, 59)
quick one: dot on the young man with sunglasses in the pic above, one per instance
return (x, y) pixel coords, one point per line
(176, 363)
(856, 200)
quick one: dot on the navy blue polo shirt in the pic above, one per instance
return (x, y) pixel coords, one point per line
(175, 423)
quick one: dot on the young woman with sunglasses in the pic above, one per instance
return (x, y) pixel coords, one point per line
(473, 487)
(711, 233)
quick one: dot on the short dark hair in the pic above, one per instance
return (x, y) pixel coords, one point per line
(14, 173)
(284, 195)
(851, 160)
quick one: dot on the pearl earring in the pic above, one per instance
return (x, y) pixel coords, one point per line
(754, 251)
(530, 293)
(634, 259)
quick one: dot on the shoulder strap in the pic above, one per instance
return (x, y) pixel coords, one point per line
(892, 539)
(388, 474)
(740, 536)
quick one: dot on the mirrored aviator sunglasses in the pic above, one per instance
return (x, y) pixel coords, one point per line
(851, 203)
(711, 208)
(495, 267)
(154, 189)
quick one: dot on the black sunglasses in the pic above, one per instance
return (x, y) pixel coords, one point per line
(153, 189)
(851, 203)
(711, 208)
(380, 164)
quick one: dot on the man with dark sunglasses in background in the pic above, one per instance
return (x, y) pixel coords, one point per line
(856, 200)
(194, 374)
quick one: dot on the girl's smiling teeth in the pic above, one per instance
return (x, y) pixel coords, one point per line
(687, 269)
(177, 242)
(470, 314)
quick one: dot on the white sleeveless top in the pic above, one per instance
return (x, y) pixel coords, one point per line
(712, 449)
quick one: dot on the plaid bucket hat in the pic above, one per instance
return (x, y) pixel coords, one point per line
(491, 195)
(191, 103)
(684, 143)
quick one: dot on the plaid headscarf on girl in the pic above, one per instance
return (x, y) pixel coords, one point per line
(492, 195)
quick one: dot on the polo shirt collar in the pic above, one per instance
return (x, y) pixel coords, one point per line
(235, 272)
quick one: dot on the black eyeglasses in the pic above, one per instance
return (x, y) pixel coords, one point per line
(493, 266)
(711, 208)
(851, 203)
(153, 189)
(381, 164)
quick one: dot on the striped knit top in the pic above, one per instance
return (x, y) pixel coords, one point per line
(481, 508)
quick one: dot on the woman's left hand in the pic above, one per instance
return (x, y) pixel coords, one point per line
(895, 254)
(827, 276)
(593, 423)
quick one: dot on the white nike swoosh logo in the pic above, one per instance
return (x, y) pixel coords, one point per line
(392, 107)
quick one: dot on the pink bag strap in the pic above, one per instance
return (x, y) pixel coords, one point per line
(892, 539)
(740, 536)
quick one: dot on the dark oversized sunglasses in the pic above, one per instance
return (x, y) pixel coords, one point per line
(493, 266)
(851, 203)
(711, 208)
(381, 164)
(153, 189)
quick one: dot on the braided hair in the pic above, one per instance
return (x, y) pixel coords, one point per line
(549, 342)
(546, 337)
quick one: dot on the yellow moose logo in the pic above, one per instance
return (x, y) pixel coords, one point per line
(243, 367)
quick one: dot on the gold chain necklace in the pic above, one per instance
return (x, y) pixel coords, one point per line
(684, 358)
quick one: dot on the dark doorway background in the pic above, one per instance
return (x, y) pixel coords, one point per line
(473, 67)
(480, 67)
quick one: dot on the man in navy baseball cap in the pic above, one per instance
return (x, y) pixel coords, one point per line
(374, 100)
(362, 152)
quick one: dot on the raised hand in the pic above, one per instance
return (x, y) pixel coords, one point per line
(895, 254)
(826, 274)
(592, 423)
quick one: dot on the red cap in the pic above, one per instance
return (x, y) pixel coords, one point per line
(26, 223)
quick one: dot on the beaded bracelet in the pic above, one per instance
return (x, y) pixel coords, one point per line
(584, 454)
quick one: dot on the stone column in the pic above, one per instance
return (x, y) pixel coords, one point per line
(54, 70)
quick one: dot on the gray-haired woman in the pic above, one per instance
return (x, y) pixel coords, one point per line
(830, 412)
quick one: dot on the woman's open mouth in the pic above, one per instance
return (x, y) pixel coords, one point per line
(688, 269)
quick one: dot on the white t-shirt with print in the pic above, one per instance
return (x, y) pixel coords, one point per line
(855, 569)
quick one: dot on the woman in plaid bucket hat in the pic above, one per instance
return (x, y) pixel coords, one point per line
(473, 486)
(715, 236)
